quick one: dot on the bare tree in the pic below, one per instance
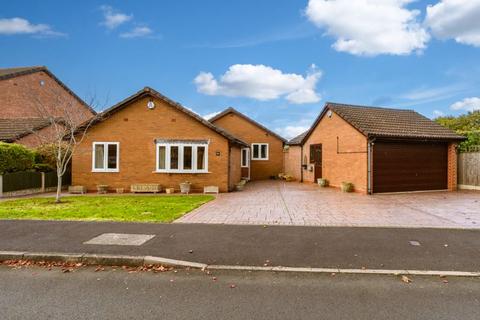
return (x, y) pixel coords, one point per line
(63, 126)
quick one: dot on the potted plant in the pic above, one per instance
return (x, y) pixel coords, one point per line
(347, 187)
(239, 186)
(323, 182)
(170, 190)
(185, 187)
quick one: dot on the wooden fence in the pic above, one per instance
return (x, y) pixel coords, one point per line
(469, 170)
(23, 183)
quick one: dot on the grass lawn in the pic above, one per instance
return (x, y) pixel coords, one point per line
(103, 208)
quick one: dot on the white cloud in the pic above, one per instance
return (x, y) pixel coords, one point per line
(209, 116)
(262, 83)
(427, 93)
(22, 26)
(438, 113)
(290, 132)
(113, 18)
(137, 32)
(370, 27)
(467, 104)
(455, 19)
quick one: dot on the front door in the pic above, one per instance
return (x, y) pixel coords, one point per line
(316, 158)
(245, 163)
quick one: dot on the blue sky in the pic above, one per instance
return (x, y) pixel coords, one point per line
(278, 61)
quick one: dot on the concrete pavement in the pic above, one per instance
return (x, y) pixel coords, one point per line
(35, 293)
(327, 247)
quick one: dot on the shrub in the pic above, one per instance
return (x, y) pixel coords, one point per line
(45, 156)
(323, 182)
(15, 157)
(347, 187)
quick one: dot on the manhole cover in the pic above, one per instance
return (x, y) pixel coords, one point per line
(120, 239)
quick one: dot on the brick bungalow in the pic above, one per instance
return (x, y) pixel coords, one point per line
(148, 138)
(264, 158)
(376, 149)
(28, 97)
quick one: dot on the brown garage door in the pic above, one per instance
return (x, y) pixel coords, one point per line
(399, 166)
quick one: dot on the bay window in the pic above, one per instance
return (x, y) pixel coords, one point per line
(179, 156)
(105, 157)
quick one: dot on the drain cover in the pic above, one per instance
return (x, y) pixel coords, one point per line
(120, 239)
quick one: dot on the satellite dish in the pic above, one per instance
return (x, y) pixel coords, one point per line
(150, 105)
(329, 113)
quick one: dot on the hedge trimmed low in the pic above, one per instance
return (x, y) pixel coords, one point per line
(15, 157)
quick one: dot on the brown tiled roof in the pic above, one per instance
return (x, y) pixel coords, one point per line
(8, 73)
(376, 122)
(13, 129)
(149, 91)
(238, 113)
(298, 139)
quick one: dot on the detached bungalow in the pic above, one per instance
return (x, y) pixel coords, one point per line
(148, 138)
(264, 156)
(376, 149)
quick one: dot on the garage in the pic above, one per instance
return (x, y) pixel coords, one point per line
(409, 166)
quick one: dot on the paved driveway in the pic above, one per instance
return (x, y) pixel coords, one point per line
(281, 203)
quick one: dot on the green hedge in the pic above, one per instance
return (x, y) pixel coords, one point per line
(15, 157)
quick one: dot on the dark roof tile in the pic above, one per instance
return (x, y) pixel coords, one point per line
(394, 123)
(13, 129)
(232, 110)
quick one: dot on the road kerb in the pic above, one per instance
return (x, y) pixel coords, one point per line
(137, 261)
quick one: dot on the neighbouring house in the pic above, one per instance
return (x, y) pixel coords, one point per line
(30, 97)
(377, 149)
(148, 138)
(263, 158)
(292, 157)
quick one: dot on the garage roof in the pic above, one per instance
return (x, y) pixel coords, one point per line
(376, 122)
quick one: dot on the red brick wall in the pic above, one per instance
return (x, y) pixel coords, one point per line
(250, 133)
(350, 164)
(235, 166)
(293, 162)
(452, 166)
(25, 97)
(136, 129)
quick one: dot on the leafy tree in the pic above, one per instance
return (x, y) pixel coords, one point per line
(467, 125)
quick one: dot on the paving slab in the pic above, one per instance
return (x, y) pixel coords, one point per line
(306, 204)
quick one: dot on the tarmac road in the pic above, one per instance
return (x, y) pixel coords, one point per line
(36, 293)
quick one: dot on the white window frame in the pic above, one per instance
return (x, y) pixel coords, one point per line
(181, 146)
(105, 156)
(260, 151)
(247, 158)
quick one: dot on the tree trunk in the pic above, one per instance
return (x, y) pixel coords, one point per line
(59, 187)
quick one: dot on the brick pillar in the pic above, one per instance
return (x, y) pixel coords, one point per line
(452, 166)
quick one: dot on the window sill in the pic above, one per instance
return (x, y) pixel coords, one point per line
(106, 171)
(181, 172)
(259, 159)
